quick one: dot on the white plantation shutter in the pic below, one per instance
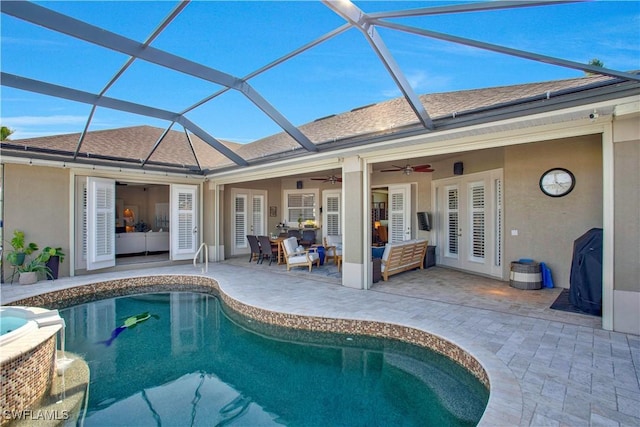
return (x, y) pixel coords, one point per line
(301, 205)
(399, 202)
(257, 215)
(101, 214)
(332, 214)
(84, 221)
(477, 217)
(452, 221)
(184, 216)
(240, 218)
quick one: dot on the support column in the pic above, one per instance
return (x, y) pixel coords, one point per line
(353, 223)
(216, 250)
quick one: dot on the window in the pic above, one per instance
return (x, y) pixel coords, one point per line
(300, 205)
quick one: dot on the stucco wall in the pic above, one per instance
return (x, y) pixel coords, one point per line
(548, 226)
(627, 205)
(36, 201)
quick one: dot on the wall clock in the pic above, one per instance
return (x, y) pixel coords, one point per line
(557, 182)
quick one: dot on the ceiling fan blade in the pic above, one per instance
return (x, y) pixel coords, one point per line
(422, 167)
(392, 170)
(318, 179)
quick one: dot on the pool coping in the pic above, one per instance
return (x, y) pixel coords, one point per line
(505, 395)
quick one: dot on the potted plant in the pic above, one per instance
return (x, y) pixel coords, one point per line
(17, 256)
(29, 271)
(52, 258)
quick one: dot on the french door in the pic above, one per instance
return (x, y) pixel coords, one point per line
(469, 229)
(248, 216)
(184, 221)
(399, 206)
(331, 215)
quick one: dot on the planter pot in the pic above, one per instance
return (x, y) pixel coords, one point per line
(17, 259)
(28, 278)
(53, 263)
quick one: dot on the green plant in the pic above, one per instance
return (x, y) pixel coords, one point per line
(49, 252)
(16, 257)
(37, 265)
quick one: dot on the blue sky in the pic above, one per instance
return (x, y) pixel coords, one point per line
(334, 77)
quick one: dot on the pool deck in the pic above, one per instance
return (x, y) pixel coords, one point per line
(553, 368)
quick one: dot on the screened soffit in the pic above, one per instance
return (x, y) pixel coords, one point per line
(168, 70)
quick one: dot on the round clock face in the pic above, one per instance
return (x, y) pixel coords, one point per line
(557, 182)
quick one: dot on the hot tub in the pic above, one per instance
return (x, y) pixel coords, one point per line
(27, 355)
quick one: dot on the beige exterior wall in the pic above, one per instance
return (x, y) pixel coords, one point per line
(626, 243)
(548, 226)
(36, 201)
(627, 205)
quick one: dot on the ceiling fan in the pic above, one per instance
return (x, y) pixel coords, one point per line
(332, 179)
(408, 169)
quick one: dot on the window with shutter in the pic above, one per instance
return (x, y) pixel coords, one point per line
(300, 204)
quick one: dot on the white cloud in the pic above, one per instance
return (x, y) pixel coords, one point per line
(422, 82)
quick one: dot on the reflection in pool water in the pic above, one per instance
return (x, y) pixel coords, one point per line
(194, 365)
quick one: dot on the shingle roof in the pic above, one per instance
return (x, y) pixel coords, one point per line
(396, 113)
(133, 144)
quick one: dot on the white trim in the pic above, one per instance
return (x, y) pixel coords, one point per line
(316, 204)
(608, 184)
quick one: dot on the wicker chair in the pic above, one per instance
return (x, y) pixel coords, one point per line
(308, 238)
(255, 248)
(268, 249)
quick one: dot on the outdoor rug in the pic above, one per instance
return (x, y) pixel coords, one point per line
(563, 303)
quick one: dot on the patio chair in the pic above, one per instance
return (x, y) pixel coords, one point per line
(269, 249)
(255, 248)
(298, 258)
(333, 247)
(308, 238)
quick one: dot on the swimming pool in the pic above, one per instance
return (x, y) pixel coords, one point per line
(197, 363)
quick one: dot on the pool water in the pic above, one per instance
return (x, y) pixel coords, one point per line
(188, 363)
